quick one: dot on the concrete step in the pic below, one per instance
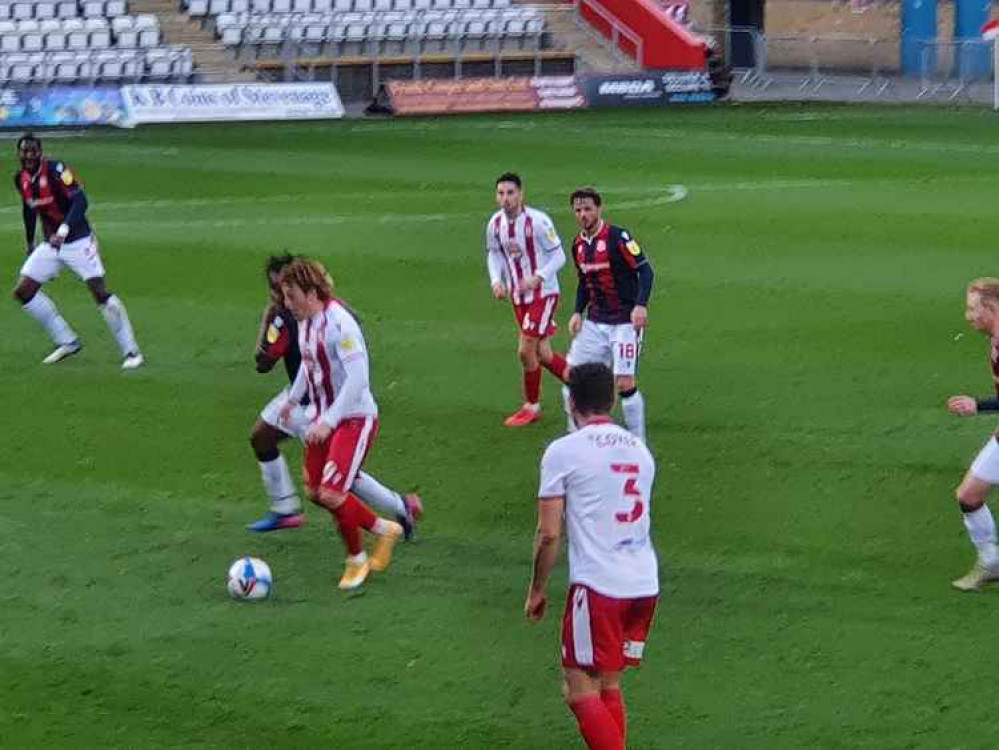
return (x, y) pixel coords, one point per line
(212, 61)
(594, 54)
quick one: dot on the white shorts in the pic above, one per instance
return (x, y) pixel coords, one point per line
(616, 345)
(299, 420)
(986, 463)
(80, 256)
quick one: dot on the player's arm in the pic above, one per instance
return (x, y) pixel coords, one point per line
(273, 340)
(636, 259)
(546, 544)
(968, 406)
(495, 264)
(30, 217)
(66, 181)
(349, 346)
(552, 254)
(551, 507)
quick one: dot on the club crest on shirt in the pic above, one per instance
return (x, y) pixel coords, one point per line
(551, 236)
(601, 246)
(43, 182)
(273, 333)
(348, 345)
(67, 178)
(633, 247)
(514, 249)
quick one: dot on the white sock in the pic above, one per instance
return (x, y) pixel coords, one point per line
(570, 424)
(280, 488)
(382, 526)
(377, 495)
(359, 558)
(982, 530)
(120, 326)
(42, 309)
(634, 414)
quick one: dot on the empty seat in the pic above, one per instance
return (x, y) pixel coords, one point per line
(126, 35)
(158, 63)
(44, 10)
(63, 67)
(22, 11)
(115, 8)
(197, 8)
(53, 35)
(67, 9)
(218, 6)
(148, 29)
(260, 6)
(232, 36)
(6, 11)
(93, 8)
(239, 6)
(10, 37)
(22, 68)
(31, 36)
(281, 6)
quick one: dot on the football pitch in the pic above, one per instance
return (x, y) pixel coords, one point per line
(810, 278)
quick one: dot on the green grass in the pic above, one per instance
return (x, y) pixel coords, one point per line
(802, 345)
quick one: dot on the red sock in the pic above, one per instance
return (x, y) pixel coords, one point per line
(558, 367)
(532, 385)
(614, 703)
(596, 724)
(359, 513)
(351, 517)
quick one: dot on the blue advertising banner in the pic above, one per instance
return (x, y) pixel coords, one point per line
(61, 106)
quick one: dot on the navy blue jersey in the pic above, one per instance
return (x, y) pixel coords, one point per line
(280, 341)
(614, 274)
(56, 195)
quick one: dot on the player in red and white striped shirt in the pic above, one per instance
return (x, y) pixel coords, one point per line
(524, 255)
(599, 479)
(334, 374)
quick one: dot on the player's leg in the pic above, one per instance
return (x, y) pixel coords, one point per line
(626, 348)
(116, 316)
(591, 649)
(613, 700)
(406, 509)
(591, 344)
(39, 268)
(347, 448)
(527, 351)
(971, 496)
(552, 361)
(597, 724)
(285, 507)
(84, 258)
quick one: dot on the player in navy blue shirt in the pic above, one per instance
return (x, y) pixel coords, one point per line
(52, 192)
(277, 342)
(615, 283)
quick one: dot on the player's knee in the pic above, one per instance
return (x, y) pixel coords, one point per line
(24, 293)
(331, 499)
(970, 498)
(626, 386)
(264, 445)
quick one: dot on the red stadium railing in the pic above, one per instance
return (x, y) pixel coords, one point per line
(645, 32)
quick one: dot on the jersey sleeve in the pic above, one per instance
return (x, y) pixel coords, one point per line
(494, 256)
(546, 235)
(630, 250)
(346, 340)
(554, 472)
(276, 339)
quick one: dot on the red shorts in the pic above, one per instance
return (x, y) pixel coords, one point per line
(603, 634)
(334, 463)
(537, 319)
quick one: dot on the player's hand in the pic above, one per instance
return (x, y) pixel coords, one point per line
(531, 282)
(639, 317)
(318, 432)
(964, 406)
(499, 290)
(536, 605)
(55, 241)
(575, 324)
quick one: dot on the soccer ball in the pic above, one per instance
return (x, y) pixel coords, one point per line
(249, 579)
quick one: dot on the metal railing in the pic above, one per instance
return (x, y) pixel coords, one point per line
(618, 30)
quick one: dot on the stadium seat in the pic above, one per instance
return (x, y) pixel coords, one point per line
(76, 33)
(53, 35)
(215, 7)
(10, 39)
(31, 36)
(22, 68)
(67, 9)
(115, 8)
(232, 36)
(6, 11)
(198, 8)
(260, 6)
(93, 8)
(44, 10)
(23, 11)
(63, 67)
(126, 36)
(147, 27)
(98, 33)
(158, 63)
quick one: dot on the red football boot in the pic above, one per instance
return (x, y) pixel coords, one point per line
(523, 416)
